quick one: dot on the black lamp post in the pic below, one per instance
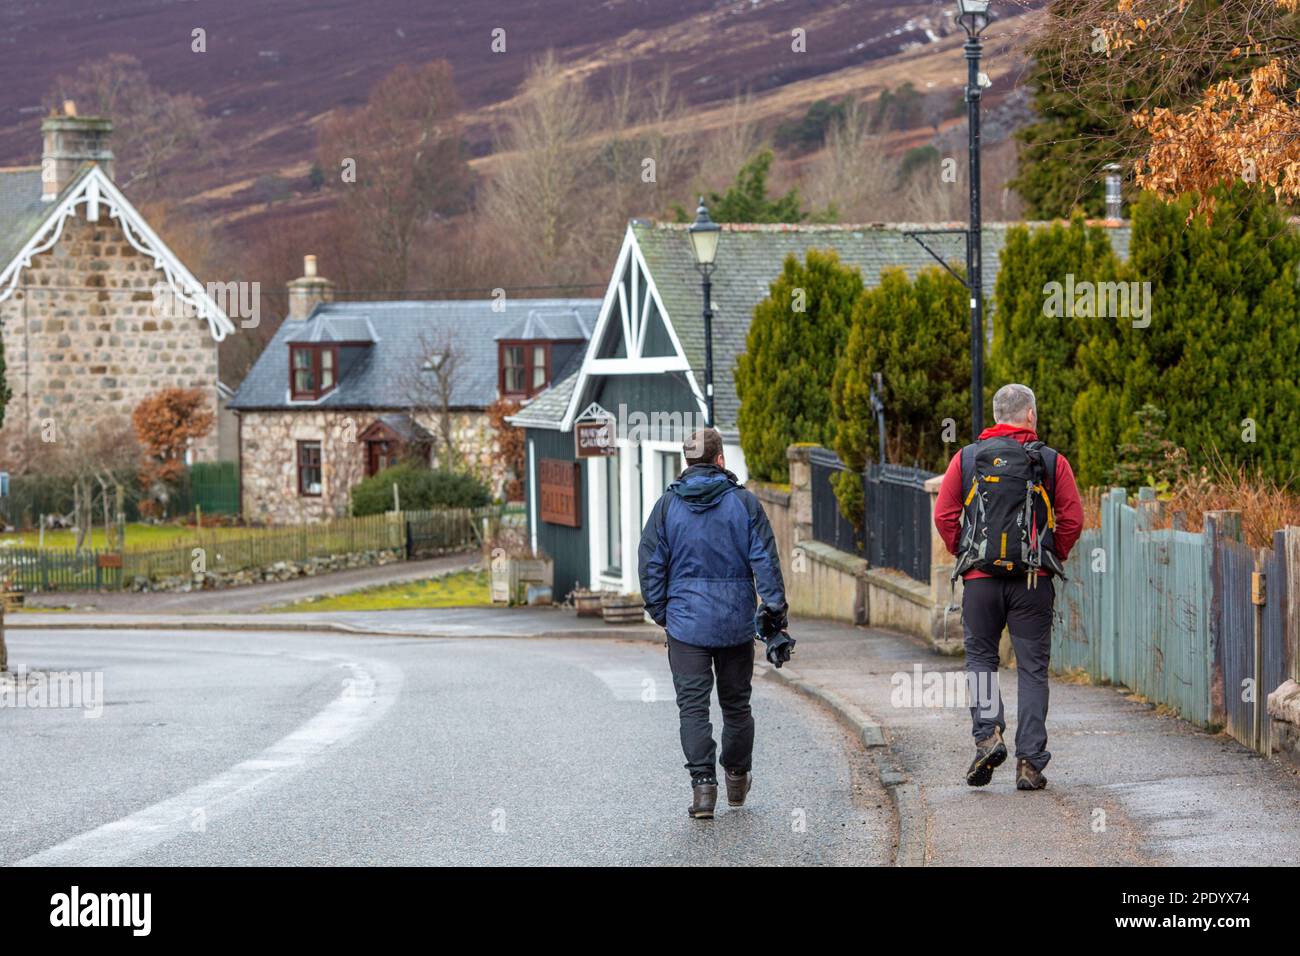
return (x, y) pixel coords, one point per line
(704, 233)
(973, 16)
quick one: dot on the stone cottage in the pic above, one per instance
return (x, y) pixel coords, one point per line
(345, 389)
(97, 312)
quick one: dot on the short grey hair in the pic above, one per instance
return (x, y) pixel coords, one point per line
(1012, 404)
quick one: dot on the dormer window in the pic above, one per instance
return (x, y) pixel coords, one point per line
(312, 370)
(524, 368)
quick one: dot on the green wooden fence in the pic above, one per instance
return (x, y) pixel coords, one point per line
(1194, 620)
(1136, 609)
(214, 487)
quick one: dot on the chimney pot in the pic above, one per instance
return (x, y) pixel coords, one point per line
(308, 290)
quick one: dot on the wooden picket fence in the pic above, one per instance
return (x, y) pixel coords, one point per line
(227, 550)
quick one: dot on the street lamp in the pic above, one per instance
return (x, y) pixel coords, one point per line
(973, 15)
(704, 233)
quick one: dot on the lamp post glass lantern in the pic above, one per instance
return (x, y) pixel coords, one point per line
(973, 15)
(704, 234)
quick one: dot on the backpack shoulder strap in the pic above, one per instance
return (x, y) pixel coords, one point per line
(967, 468)
(1048, 457)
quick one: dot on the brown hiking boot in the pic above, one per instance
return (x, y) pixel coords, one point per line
(704, 797)
(738, 785)
(1028, 777)
(989, 755)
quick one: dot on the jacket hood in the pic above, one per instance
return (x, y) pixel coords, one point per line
(1017, 432)
(703, 486)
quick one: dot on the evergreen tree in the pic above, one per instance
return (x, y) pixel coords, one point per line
(783, 379)
(1032, 346)
(914, 333)
(1150, 458)
(1219, 353)
(746, 199)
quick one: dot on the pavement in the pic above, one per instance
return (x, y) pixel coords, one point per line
(1127, 785)
(273, 748)
(252, 597)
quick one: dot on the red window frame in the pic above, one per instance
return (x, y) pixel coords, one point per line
(316, 369)
(306, 463)
(529, 367)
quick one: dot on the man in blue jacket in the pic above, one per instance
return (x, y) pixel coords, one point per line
(705, 546)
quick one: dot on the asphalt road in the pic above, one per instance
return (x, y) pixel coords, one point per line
(326, 749)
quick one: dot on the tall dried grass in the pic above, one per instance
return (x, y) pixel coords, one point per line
(1265, 503)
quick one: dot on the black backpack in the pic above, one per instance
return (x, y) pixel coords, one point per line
(1007, 493)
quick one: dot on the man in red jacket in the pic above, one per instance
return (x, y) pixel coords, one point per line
(1015, 589)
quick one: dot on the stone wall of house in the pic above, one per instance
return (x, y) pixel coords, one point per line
(269, 464)
(88, 342)
(475, 444)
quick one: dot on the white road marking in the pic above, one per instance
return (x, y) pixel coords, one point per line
(366, 696)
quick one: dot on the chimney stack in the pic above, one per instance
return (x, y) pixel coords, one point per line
(69, 141)
(308, 290)
(1114, 194)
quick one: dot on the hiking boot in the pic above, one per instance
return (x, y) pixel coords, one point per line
(1028, 777)
(738, 785)
(989, 755)
(704, 797)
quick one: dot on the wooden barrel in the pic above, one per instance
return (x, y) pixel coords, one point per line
(587, 602)
(622, 608)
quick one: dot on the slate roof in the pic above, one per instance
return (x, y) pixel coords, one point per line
(335, 328)
(406, 428)
(750, 257)
(21, 209)
(375, 379)
(551, 324)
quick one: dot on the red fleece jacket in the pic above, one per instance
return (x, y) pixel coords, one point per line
(1065, 500)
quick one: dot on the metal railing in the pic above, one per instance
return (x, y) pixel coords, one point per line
(897, 519)
(895, 530)
(829, 526)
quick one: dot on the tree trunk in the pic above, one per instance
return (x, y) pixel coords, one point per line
(79, 513)
(108, 521)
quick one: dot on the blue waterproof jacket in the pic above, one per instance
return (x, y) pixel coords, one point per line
(705, 546)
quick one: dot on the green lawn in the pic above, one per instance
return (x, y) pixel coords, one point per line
(139, 536)
(462, 589)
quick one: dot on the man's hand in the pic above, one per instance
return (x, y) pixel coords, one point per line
(769, 622)
(779, 648)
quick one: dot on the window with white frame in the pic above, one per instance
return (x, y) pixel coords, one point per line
(670, 466)
(613, 515)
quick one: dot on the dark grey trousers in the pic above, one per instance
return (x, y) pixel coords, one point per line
(987, 606)
(693, 671)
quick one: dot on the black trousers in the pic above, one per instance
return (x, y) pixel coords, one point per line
(987, 606)
(693, 672)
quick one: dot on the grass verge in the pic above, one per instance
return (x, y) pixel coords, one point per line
(460, 589)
